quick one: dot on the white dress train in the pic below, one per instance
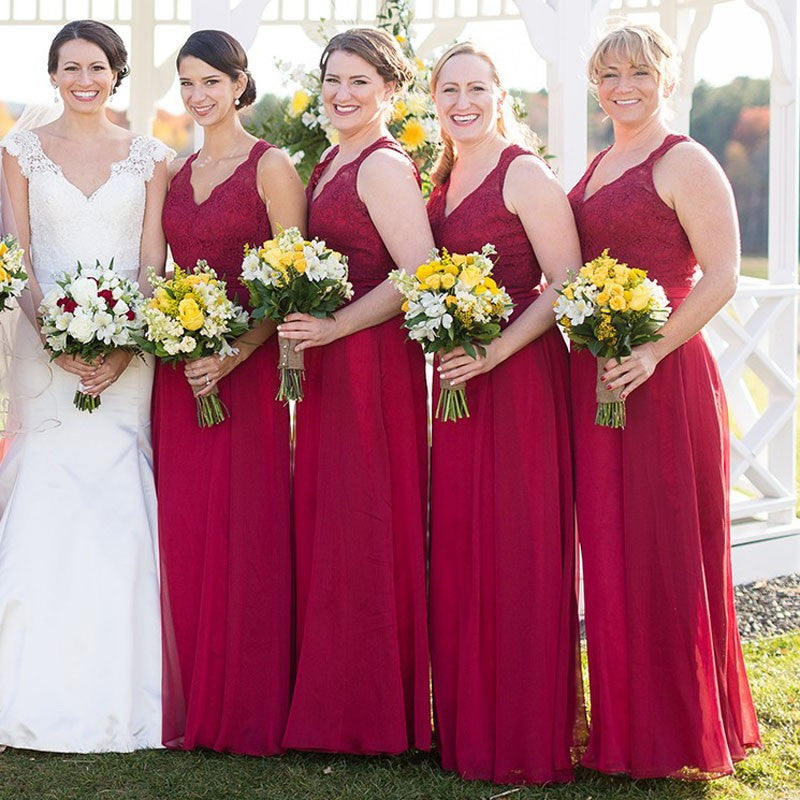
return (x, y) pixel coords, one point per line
(80, 621)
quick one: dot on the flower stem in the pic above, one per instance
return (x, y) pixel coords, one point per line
(210, 411)
(291, 387)
(611, 415)
(85, 402)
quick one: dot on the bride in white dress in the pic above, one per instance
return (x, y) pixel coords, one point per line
(80, 622)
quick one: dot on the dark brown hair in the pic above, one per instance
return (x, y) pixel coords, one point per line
(105, 37)
(376, 47)
(223, 52)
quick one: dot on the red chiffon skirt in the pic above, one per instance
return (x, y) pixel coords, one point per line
(504, 622)
(668, 686)
(224, 530)
(360, 491)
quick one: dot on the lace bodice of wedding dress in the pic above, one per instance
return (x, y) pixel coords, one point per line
(66, 225)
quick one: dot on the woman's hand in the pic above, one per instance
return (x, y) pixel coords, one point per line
(77, 366)
(203, 374)
(309, 331)
(106, 371)
(458, 366)
(634, 370)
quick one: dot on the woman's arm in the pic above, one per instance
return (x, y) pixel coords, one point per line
(532, 192)
(153, 248)
(689, 180)
(388, 187)
(282, 191)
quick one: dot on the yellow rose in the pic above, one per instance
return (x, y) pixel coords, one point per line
(300, 263)
(459, 260)
(424, 270)
(600, 277)
(451, 269)
(640, 297)
(602, 299)
(404, 307)
(190, 315)
(300, 101)
(569, 293)
(614, 289)
(617, 302)
(447, 280)
(161, 299)
(450, 300)
(3, 249)
(413, 135)
(433, 281)
(470, 276)
(4, 276)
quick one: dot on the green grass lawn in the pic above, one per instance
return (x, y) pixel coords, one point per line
(770, 774)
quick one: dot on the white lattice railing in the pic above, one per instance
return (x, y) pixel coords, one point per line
(760, 383)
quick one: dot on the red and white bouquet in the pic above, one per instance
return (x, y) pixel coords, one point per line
(90, 312)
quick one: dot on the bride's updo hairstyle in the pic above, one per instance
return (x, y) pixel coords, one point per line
(221, 51)
(507, 125)
(98, 33)
(376, 47)
(641, 46)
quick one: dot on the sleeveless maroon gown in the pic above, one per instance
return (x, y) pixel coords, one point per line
(224, 508)
(360, 494)
(504, 621)
(668, 686)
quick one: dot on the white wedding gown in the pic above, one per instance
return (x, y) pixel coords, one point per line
(80, 621)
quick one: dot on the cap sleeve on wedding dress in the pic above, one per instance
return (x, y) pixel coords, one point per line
(146, 152)
(27, 149)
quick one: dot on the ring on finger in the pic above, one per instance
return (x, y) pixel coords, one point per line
(208, 380)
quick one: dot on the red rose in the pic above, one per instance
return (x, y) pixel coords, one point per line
(130, 315)
(108, 297)
(67, 304)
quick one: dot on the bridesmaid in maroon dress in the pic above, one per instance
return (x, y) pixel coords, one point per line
(224, 515)
(668, 685)
(360, 480)
(504, 621)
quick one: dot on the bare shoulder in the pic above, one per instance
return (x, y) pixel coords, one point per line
(687, 160)
(530, 169)
(175, 166)
(385, 162)
(274, 161)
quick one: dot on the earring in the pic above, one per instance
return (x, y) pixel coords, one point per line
(55, 94)
(237, 102)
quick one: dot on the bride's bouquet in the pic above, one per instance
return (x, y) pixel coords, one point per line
(90, 312)
(188, 317)
(13, 277)
(453, 301)
(609, 308)
(289, 274)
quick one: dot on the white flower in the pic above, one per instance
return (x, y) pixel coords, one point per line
(579, 310)
(81, 328)
(84, 291)
(188, 344)
(61, 321)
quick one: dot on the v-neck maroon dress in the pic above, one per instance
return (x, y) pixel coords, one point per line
(504, 620)
(360, 512)
(224, 508)
(669, 694)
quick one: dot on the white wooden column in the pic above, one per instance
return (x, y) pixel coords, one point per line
(560, 32)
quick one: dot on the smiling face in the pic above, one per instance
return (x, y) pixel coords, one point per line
(83, 77)
(354, 95)
(630, 94)
(467, 98)
(208, 94)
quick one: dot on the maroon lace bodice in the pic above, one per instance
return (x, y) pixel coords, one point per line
(218, 228)
(340, 218)
(482, 217)
(629, 218)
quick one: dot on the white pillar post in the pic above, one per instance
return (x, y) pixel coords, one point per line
(142, 95)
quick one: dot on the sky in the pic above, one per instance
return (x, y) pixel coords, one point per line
(23, 77)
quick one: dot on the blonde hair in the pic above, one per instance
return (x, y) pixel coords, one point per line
(376, 47)
(639, 45)
(507, 124)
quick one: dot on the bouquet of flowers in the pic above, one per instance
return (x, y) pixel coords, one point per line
(188, 317)
(289, 274)
(610, 308)
(90, 312)
(453, 301)
(13, 277)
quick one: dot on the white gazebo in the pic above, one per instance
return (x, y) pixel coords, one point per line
(755, 337)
